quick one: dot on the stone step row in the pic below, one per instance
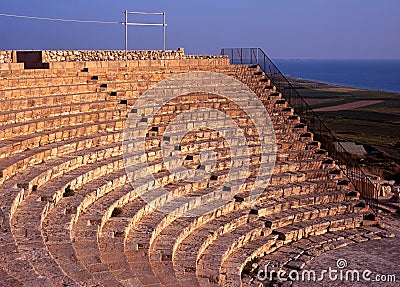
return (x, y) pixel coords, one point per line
(297, 255)
(33, 82)
(34, 140)
(231, 269)
(19, 162)
(48, 124)
(34, 209)
(144, 66)
(123, 229)
(16, 93)
(60, 223)
(37, 205)
(67, 99)
(23, 115)
(84, 235)
(227, 238)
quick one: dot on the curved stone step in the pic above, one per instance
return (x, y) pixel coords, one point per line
(213, 256)
(57, 226)
(231, 269)
(45, 90)
(135, 212)
(32, 82)
(52, 100)
(33, 210)
(185, 259)
(11, 131)
(17, 163)
(297, 255)
(22, 143)
(85, 234)
(18, 115)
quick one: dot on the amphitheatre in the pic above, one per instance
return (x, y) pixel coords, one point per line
(188, 206)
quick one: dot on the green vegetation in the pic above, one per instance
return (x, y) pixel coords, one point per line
(375, 126)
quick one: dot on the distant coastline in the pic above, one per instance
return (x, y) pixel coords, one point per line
(301, 83)
(378, 75)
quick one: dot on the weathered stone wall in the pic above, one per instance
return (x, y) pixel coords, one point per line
(7, 56)
(109, 55)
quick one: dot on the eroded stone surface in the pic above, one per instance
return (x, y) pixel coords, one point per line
(70, 217)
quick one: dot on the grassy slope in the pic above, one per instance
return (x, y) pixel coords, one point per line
(377, 125)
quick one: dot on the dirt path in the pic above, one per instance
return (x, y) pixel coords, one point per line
(349, 106)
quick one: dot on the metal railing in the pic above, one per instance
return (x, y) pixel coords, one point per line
(348, 164)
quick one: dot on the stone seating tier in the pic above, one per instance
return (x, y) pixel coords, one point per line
(71, 215)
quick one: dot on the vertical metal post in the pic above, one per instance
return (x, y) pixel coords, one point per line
(126, 37)
(258, 59)
(165, 33)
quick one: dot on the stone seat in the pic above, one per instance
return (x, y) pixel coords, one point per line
(295, 145)
(37, 176)
(11, 131)
(300, 253)
(36, 73)
(59, 223)
(9, 94)
(137, 218)
(128, 75)
(136, 237)
(163, 247)
(295, 141)
(193, 101)
(34, 140)
(212, 257)
(164, 121)
(36, 207)
(112, 244)
(54, 100)
(271, 97)
(278, 119)
(34, 177)
(85, 231)
(22, 115)
(232, 267)
(299, 155)
(19, 162)
(29, 211)
(196, 238)
(169, 249)
(20, 269)
(131, 82)
(29, 81)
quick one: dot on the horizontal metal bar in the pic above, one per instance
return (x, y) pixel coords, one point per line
(143, 24)
(146, 13)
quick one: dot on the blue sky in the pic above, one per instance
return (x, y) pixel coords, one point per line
(339, 29)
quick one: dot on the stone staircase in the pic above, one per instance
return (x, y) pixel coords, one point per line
(72, 215)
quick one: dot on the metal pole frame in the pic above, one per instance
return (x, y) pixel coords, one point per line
(126, 36)
(126, 24)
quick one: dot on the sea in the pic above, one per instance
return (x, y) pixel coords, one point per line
(382, 75)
